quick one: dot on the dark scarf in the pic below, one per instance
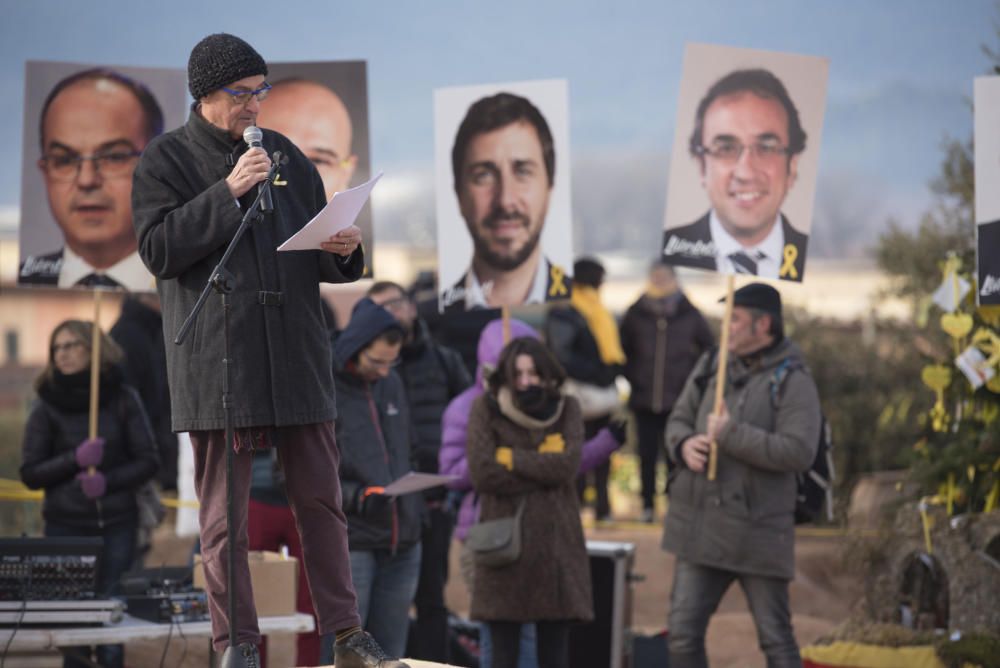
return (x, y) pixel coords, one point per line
(71, 392)
(753, 360)
(544, 407)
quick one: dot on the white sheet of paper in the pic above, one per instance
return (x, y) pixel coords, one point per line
(944, 296)
(339, 213)
(972, 363)
(416, 482)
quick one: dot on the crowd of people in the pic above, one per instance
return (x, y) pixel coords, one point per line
(326, 418)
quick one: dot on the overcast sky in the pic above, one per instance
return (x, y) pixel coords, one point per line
(901, 71)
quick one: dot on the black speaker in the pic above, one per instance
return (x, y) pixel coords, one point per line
(604, 642)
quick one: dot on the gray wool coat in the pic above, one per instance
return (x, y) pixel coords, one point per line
(743, 521)
(184, 216)
(551, 580)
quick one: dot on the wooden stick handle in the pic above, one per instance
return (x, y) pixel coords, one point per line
(95, 369)
(505, 317)
(720, 374)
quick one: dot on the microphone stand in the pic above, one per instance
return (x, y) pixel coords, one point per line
(221, 282)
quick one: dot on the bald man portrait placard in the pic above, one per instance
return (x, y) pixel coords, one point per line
(744, 163)
(502, 177)
(987, 141)
(323, 108)
(84, 129)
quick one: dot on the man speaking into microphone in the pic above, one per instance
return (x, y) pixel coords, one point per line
(190, 191)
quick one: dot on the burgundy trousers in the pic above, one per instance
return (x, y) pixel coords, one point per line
(310, 460)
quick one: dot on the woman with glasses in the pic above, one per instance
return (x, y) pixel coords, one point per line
(90, 483)
(524, 447)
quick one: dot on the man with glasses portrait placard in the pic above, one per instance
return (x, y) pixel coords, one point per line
(94, 125)
(747, 139)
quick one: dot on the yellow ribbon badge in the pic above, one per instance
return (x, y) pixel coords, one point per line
(788, 270)
(557, 282)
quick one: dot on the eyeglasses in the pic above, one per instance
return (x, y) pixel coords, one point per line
(66, 166)
(381, 364)
(68, 346)
(394, 304)
(242, 97)
(731, 151)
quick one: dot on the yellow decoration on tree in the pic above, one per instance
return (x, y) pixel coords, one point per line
(988, 341)
(956, 325)
(937, 377)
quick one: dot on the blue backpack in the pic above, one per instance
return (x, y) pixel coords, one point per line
(815, 486)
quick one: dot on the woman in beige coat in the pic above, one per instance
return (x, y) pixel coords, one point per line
(524, 442)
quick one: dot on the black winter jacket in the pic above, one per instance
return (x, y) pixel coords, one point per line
(184, 217)
(433, 375)
(54, 431)
(663, 340)
(570, 339)
(373, 434)
(139, 332)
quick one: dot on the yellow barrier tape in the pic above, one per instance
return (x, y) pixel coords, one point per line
(14, 490)
(26, 495)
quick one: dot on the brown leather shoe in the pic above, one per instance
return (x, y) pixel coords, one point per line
(244, 654)
(361, 651)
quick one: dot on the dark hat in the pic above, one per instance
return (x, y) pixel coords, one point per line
(221, 59)
(760, 296)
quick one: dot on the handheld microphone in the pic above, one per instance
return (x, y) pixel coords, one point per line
(253, 136)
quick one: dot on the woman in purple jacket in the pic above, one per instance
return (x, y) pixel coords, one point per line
(451, 458)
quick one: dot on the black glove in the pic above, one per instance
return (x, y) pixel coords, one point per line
(372, 503)
(619, 429)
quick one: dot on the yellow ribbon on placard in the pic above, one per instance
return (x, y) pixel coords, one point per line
(789, 254)
(557, 282)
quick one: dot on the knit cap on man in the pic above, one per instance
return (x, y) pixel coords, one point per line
(219, 60)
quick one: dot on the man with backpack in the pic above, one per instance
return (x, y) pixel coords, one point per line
(741, 525)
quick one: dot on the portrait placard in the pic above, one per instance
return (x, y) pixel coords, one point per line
(987, 174)
(502, 180)
(745, 159)
(322, 106)
(76, 179)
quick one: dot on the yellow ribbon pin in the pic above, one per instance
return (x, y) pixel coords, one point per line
(788, 270)
(278, 181)
(557, 282)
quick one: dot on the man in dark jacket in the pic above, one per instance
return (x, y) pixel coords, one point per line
(374, 428)
(433, 375)
(191, 189)
(583, 335)
(663, 336)
(139, 332)
(741, 525)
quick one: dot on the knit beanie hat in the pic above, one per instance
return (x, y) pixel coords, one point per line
(219, 60)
